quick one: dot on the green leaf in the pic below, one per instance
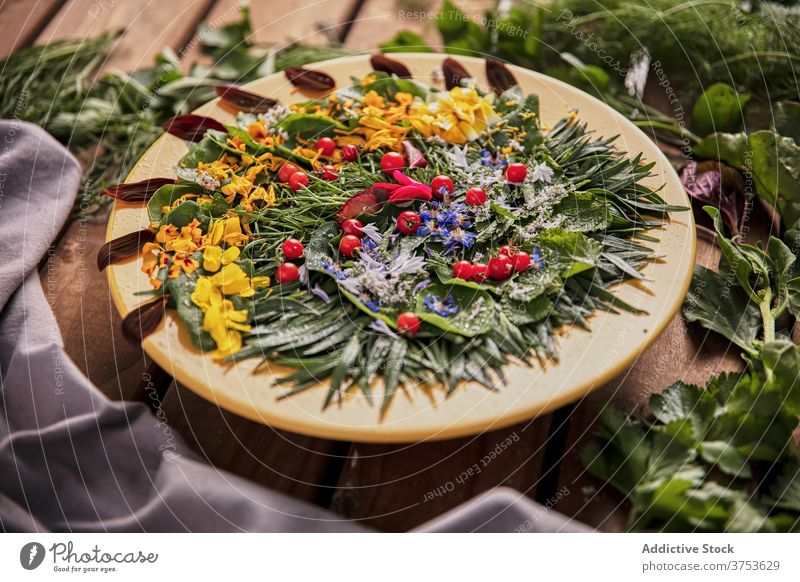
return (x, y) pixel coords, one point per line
(568, 252)
(392, 370)
(583, 212)
(726, 458)
(308, 126)
(475, 315)
(180, 291)
(727, 147)
(526, 312)
(406, 41)
(720, 307)
(684, 402)
(166, 196)
(787, 119)
(718, 109)
(182, 214)
(206, 150)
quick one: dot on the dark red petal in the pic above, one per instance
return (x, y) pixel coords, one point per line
(500, 78)
(409, 193)
(416, 159)
(136, 191)
(191, 127)
(454, 72)
(386, 186)
(241, 100)
(123, 247)
(386, 65)
(369, 201)
(303, 78)
(144, 320)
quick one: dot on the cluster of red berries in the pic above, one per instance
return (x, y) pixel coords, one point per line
(499, 268)
(292, 250)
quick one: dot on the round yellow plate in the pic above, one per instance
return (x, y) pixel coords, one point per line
(587, 360)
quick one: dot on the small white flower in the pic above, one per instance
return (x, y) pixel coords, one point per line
(371, 231)
(542, 173)
(458, 156)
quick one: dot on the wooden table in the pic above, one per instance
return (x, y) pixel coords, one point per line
(388, 487)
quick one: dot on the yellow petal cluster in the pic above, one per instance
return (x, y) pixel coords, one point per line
(456, 116)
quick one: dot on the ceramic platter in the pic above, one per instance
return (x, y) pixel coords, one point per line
(587, 359)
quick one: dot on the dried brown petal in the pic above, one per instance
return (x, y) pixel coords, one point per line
(500, 78)
(135, 192)
(453, 72)
(303, 78)
(123, 247)
(144, 320)
(191, 127)
(386, 65)
(235, 99)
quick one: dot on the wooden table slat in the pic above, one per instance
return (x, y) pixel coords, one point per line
(22, 21)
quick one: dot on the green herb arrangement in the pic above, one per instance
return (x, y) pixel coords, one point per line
(397, 231)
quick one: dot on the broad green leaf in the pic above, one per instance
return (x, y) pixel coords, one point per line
(583, 213)
(166, 196)
(720, 307)
(727, 147)
(206, 150)
(308, 126)
(475, 310)
(568, 252)
(180, 291)
(718, 109)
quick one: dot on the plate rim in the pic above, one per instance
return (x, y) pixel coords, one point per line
(404, 433)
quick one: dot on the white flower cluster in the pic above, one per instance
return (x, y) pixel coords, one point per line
(539, 202)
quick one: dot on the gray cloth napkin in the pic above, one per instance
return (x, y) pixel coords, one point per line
(73, 460)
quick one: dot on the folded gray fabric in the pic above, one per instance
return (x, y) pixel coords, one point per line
(73, 460)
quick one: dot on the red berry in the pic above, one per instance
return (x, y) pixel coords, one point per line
(292, 248)
(327, 145)
(480, 271)
(329, 174)
(391, 162)
(298, 180)
(500, 268)
(463, 270)
(408, 222)
(508, 251)
(476, 196)
(516, 173)
(350, 153)
(287, 273)
(352, 226)
(521, 261)
(349, 244)
(408, 323)
(286, 172)
(440, 182)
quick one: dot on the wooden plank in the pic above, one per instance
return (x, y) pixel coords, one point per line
(89, 322)
(147, 27)
(22, 20)
(303, 467)
(222, 13)
(380, 20)
(312, 22)
(397, 487)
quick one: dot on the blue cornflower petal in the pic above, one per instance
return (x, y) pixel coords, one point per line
(444, 307)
